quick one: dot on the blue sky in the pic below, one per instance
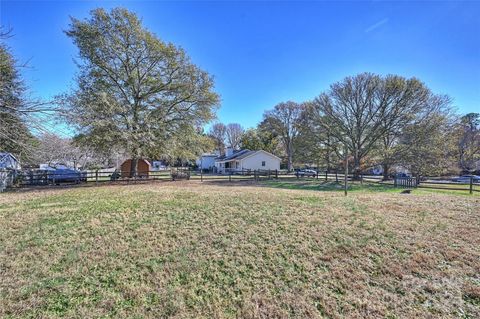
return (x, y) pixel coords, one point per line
(263, 53)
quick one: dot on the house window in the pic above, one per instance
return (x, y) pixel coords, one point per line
(263, 163)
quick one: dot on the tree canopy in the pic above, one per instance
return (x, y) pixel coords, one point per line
(134, 91)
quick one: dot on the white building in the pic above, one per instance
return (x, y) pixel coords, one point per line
(206, 161)
(246, 160)
(8, 161)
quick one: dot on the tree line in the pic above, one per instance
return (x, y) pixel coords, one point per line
(137, 96)
(372, 120)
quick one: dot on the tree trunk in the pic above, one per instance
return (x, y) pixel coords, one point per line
(290, 157)
(134, 166)
(386, 170)
(356, 167)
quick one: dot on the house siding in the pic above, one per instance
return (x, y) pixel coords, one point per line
(254, 162)
(206, 162)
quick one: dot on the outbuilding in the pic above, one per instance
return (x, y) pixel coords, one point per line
(143, 168)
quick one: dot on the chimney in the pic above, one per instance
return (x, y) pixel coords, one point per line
(228, 151)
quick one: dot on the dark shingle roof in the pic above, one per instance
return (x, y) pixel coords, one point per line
(237, 155)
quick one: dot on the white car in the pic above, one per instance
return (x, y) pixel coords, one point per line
(466, 179)
(306, 172)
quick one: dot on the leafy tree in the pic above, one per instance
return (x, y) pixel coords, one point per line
(427, 148)
(468, 136)
(15, 108)
(260, 139)
(314, 144)
(135, 92)
(284, 122)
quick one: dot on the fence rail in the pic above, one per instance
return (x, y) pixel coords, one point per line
(46, 178)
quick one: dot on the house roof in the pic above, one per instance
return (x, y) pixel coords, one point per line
(4, 155)
(237, 155)
(241, 155)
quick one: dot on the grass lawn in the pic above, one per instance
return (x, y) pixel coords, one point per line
(192, 250)
(366, 187)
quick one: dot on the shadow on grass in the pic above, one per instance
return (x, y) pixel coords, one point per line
(329, 186)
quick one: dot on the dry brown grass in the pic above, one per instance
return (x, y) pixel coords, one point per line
(188, 250)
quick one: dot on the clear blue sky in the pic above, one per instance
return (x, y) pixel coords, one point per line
(263, 53)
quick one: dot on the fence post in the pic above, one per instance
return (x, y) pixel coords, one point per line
(361, 179)
(96, 177)
(230, 176)
(345, 172)
(201, 174)
(276, 174)
(471, 184)
(336, 176)
(395, 181)
(326, 175)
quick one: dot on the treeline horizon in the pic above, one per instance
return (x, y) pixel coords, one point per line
(373, 120)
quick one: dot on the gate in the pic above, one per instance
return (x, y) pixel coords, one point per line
(405, 182)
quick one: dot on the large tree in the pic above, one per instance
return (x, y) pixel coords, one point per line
(134, 91)
(234, 134)
(468, 135)
(15, 108)
(427, 147)
(284, 121)
(218, 133)
(362, 110)
(260, 139)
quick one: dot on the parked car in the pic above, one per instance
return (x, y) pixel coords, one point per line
(404, 175)
(65, 175)
(466, 179)
(306, 173)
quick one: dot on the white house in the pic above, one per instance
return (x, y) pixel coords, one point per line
(8, 161)
(207, 161)
(246, 160)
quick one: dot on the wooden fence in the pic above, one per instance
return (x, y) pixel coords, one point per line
(35, 178)
(7, 178)
(405, 182)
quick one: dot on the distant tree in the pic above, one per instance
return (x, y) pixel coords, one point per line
(427, 148)
(284, 121)
(468, 141)
(234, 134)
(218, 132)
(260, 139)
(134, 92)
(53, 150)
(361, 110)
(191, 146)
(415, 104)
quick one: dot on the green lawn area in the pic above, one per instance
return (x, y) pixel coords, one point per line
(281, 250)
(366, 187)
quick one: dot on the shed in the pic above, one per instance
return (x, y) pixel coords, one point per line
(143, 168)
